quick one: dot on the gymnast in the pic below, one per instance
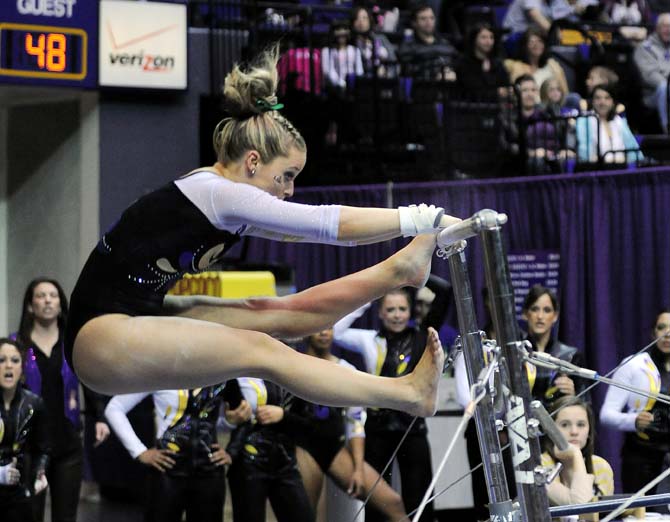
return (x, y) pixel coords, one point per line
(125, 335)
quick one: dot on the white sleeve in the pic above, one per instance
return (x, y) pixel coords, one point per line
(345, 323)
(243, 208)
(116, 414)
(611, 413)
(251, 389)
(222, 424)
(357, 339)
(462, 382)
(355, 422)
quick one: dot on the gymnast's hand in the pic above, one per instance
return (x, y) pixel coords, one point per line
(239, 415)
(269, 414)
(643, 420)
(219, 456)
(157, 458)
(356, 482)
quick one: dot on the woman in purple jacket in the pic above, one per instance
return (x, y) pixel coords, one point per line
(48, 374)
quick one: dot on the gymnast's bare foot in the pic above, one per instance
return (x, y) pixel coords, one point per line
(425, 377)
(412, 263)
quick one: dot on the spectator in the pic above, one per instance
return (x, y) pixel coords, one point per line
(393, 352)
(584, 476)
(534, 60)
(552, 96)
(652, 59)
(23, 438)
(574, 10)
(534, 130)
(427, 55)
(523, 14)
(553, 99)
(605, 137)
(635, 12)
(41, 330)
(264, 464)
(600, 75)
(340, 62)
(186, 464)
(377, 52)
(540, 310)
(645, 421)
(630, 16)
(332, 443)
(480, 70)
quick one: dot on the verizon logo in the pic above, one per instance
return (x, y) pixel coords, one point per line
(146, 62)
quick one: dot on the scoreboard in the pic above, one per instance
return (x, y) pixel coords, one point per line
(49, 42)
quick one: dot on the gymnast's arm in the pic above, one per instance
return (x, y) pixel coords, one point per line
(252, 211)
(611, 413)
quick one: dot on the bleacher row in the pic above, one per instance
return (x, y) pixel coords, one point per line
(393, 126)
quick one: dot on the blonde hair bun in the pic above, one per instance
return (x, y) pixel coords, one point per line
(243, 88)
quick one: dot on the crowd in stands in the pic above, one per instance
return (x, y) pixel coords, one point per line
(470, 55)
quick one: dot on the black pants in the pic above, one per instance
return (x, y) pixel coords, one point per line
(480, 493)
(14, 506)
(200, 496)
(64, 474)
(415, 468)
(252, 484)
(639, 465)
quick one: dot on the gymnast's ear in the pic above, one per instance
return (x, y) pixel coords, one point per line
(251, 161)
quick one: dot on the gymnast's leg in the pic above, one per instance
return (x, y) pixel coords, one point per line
(318, 307)
(115, 353)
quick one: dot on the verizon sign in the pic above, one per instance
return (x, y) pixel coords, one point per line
(142, 44)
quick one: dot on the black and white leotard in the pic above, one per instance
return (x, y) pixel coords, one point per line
(183, 227)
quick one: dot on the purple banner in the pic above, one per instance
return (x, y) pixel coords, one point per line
(532, 267)
(49, 42)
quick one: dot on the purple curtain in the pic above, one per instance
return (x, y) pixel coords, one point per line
(611, 230)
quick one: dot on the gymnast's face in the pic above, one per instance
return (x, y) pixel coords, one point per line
(277, 176)
(394, 312)
(573, 421)
(541, 316)
(10, 366)
(662, 332)
(45, 305)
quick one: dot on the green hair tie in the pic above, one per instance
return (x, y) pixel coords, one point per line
(265, 105)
